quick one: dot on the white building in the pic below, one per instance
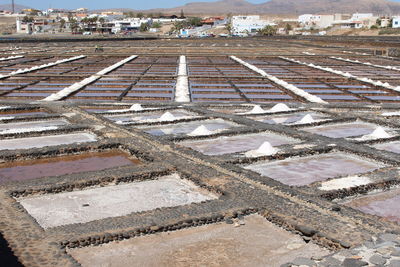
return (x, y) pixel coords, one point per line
(361, 16)
(128, 24)
(306, 18)
(309, 21)
(385, 22)
(23, 27)
(249, 24)
(396, 22)
(167, 20)
(357, 21)
(38, 26)
(348, 24)
(81, 10)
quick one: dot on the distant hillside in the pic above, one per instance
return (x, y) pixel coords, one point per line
(287, 7)
(18, 8)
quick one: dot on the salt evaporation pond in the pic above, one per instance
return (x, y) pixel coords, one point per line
(53, 210)
(91, 161)
(188, 127)
(301, 171)
(234, 144)
(391, 146)
(288, 118)
(343, 130)
(384, 204)
(43, 141)
(257, 242)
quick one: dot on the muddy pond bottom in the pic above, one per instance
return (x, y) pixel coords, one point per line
(255, 243)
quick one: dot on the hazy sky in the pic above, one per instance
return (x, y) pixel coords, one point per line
(99, 4)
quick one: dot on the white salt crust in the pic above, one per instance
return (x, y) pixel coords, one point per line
(44, 66)
(79, 85)
(182, 93)
(346, 74)
(287, 86)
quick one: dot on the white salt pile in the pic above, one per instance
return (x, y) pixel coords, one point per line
(266, 149)
(279, 108)
(378, 133)
(201, 130)
(346, 182)
(167, 116)
(256, 110)
(306, 119)
(136, 107)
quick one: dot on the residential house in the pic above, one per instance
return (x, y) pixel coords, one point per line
(309, 21)
(396, 22)
(248, 24)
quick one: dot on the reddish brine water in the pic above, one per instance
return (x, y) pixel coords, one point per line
(307, 170)
(95, 161)
(343, 130)
(384, 204)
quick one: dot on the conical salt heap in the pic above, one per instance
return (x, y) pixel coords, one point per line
(279, 108)
(167, 116)
(266, 149)
(201, 130)
(306, 119)
(136, 107)
(256, 110)
(379, 133)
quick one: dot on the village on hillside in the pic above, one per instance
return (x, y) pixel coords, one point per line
(108, 22)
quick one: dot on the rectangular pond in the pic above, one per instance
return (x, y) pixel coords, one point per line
(391, 146)
(90, 161)
(255, 243)
(299, 171)
(341, 130)
(33, 126)
(83, 206)
(43, 141)
(239, 143)
(213, 126)
(156, 116)
(384, 204)
(293, 118)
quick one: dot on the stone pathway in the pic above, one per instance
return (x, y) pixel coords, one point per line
(381, 251)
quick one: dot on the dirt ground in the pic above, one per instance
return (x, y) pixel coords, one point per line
(7, 24)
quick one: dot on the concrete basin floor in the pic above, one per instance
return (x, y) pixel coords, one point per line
(256, 243)
(117, 200)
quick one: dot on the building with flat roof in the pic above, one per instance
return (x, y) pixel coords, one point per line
(248, 24)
